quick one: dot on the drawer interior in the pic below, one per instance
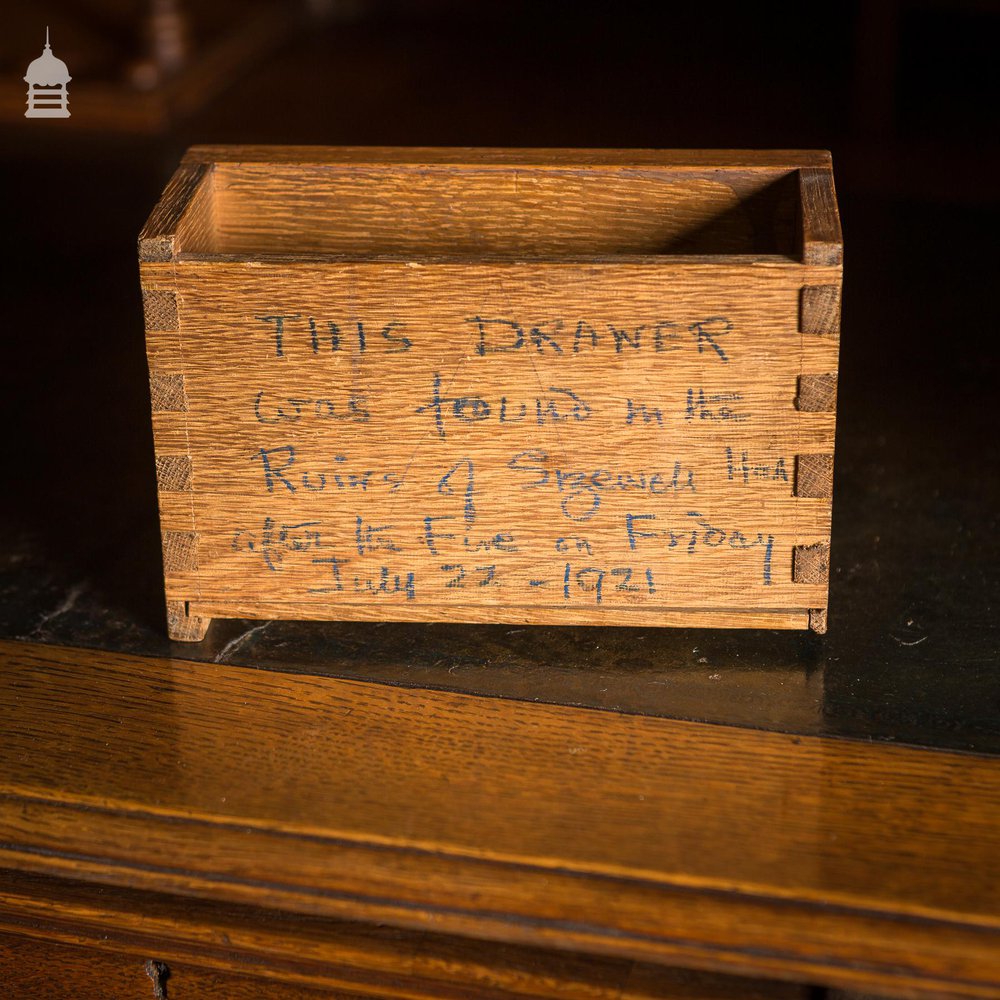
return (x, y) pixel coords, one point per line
(490, 211)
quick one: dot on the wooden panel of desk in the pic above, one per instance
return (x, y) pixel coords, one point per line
(146, 802)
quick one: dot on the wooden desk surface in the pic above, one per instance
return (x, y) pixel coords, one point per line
(815, 860)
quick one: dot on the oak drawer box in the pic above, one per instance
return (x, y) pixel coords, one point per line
(494, 385)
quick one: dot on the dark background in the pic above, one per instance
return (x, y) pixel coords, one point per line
(904, 96)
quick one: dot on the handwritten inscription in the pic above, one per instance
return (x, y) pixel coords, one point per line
(270, 410)
(739, 466)
(386, 580)
(584, 488)
(307, 334)
(556, 405)
(282, 469)
(272, 541)
(595, 580)
(574, 337)
(698, 536)
(295, 332)
(467, 526)
(713, 406)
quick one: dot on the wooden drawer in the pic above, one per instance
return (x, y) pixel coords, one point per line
(526, 386)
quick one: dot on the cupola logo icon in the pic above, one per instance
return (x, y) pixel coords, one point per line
(47, 78)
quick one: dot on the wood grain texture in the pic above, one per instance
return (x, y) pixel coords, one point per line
(173, 473)
(811, 563)
(35, 969)
(814, 476)
(167, 393)
(820, 309)
(490, 387)
(184, 626)
(43, 970)
(868, 867)
(817, 392)
(657, 617)
(156, 241)
(822, 239)
(383, 210)
(180, 551)
(82, 934)
(543, 158)
(160, 308)
(818, 620)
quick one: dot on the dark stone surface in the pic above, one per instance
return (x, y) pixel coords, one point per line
(914, 642)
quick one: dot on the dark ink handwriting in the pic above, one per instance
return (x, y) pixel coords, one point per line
(277, 467)
(583, 488)
(501, 335)
(562, 405)
(700, 535)
(330, 336)
(705, 406)
(290, 410)
(273, 540)
(370, 537)
(740, 467)
(593, 580)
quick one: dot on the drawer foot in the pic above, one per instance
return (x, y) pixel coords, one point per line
(182, 626)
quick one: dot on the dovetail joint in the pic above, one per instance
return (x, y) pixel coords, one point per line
(168, 393)
(173, 473)
(817, 393)
(817, 620)
(156, 249)
(819, 309)
(160, 308)
(811, 563)
(180, 551)
(814, 476)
